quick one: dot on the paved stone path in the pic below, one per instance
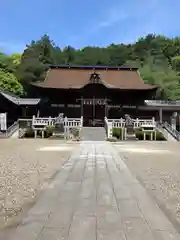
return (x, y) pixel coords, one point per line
(95, 197)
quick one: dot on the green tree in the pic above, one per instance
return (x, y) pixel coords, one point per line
(176, 63)
(6, 63)
(9, 82)
(155, 55)
(16, 58)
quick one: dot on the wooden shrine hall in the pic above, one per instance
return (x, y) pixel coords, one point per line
(91, 92)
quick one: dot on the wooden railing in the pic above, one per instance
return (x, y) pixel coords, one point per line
(68, 122)
(120, 123)
(172, 131)
(162, 103)
(73, 122)
(14, 127)
(37, 121)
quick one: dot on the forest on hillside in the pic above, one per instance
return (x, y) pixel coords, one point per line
(156, 56)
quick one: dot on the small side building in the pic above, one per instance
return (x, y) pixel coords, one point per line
(16, 107)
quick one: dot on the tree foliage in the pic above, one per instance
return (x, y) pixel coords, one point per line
(156, 56)
(16, 59)
(8, 68)
(8, 81)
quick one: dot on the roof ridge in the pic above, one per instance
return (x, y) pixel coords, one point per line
(67, 66)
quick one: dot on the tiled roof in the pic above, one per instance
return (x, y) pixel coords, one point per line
(19, 101)
(66, 77)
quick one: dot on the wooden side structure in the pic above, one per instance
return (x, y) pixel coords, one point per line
(15, 107)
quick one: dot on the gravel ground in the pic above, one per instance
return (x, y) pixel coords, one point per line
(157, 167)
(25, 172)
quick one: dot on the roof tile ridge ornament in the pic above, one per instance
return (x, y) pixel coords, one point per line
(95, 77)
(99, 80)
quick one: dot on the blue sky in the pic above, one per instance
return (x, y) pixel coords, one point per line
(81, 22)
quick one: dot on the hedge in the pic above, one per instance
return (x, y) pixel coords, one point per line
(48, 132)
(117, 133)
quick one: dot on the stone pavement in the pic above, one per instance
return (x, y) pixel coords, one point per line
(94, 196)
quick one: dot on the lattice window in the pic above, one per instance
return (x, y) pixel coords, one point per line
(95, 78)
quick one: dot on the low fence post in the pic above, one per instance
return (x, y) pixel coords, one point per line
(122, 133)
(125, 133)
(137, 123)
(121, 122)
(33, 119)
(65, 128)
(109, 130)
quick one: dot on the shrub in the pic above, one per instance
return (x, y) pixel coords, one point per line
(140, 135)
(49, 131)
(117, 133)
(74, 132)
(160, 136)
(29, 133)
(113, 139)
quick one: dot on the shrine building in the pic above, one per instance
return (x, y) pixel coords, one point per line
(94, 92)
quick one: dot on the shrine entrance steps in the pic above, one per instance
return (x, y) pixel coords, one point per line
(93, 134)
(131, 138)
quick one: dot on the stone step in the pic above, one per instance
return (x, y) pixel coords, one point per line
(131, 137)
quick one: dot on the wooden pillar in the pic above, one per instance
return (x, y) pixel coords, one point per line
(24, 111)
(105, 109)
(82, 106)
(93, 110)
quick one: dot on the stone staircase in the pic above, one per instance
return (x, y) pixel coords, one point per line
(93, 134)
(169, 133)
(131, 137)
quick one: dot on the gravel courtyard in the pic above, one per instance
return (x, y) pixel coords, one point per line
(26, 167)
(157, 167)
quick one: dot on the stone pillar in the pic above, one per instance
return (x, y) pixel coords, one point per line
(173, 120)
(160, 115)
(151, 136)
(125, 133)
(66, 128)
(155, 135)
(173, 123)
(35, 133)
(144, 136)
(122, 133)
(43, 133)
